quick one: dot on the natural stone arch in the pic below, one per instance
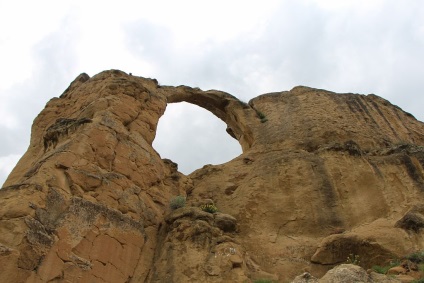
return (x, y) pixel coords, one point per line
(226, 107)
(193, 137)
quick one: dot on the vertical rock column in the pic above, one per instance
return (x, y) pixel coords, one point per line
(85, 201)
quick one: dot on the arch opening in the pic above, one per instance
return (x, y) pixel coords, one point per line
(192, 137)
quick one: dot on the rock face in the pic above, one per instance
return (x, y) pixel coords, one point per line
(322, 176)
(349, 273)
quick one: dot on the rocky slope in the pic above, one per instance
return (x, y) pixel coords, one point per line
(322, 175)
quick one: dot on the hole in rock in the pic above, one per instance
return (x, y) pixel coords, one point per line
(193, 137)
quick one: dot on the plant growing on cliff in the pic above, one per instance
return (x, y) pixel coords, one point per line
(417, 257)
(209, 208)
(177, 202)
(384, 269)
(353, 259)
(380, 269)
(261, 116)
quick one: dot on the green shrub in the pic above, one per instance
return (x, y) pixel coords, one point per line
(209, 208)
(177, 202)
(421, 280)
(384, 269)
(261, 116)
(417, 257)
(380, 269)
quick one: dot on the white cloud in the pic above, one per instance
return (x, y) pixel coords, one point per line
(347, 5)
(193, 137)
(6, 165)
(242, 47)
(194, 22)
(22, 25)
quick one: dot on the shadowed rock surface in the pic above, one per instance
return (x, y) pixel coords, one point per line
(322, 176)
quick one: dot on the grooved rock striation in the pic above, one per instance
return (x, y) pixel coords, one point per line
(322, 176)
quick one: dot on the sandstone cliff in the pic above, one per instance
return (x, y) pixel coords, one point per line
(322, 175)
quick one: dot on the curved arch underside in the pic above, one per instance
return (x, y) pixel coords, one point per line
(228, 108)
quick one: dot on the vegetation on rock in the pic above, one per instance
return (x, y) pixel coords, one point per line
(177, 202)
(91, 179)
(417, 257)
(384, 269)
(209, 208)
(353, 259)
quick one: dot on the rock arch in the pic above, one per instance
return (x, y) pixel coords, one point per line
(226, 107)
(193, 137)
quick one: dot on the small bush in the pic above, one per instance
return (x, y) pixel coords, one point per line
(384, 269)
(209, 208)
(380, 269)
(263, 281)
(417, 257)
(353, 259)
(421, 280)
(177, 202)
(262, 116)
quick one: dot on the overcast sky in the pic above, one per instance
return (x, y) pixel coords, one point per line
(246, 48)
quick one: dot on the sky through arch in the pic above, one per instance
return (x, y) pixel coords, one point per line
(193, 137)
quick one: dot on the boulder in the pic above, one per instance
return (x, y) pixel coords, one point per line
(346, 273)
(225, 222)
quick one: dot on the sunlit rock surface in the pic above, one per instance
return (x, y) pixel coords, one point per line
(322, 176)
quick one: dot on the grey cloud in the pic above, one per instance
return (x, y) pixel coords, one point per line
(193, 138)
(54, 60)
(377, 51)
(149, 41)
(363, 52)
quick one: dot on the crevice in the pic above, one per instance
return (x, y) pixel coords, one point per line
(128, 124)
(375, 105)
(88, 211)
(34, 169)
(412, 171)
(62, 127)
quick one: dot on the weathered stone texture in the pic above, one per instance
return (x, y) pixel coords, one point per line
(322, 175)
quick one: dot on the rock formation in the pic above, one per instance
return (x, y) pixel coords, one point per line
(346, 273)
(322, 175)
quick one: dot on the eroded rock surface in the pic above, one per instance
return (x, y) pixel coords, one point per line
(322, 175)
